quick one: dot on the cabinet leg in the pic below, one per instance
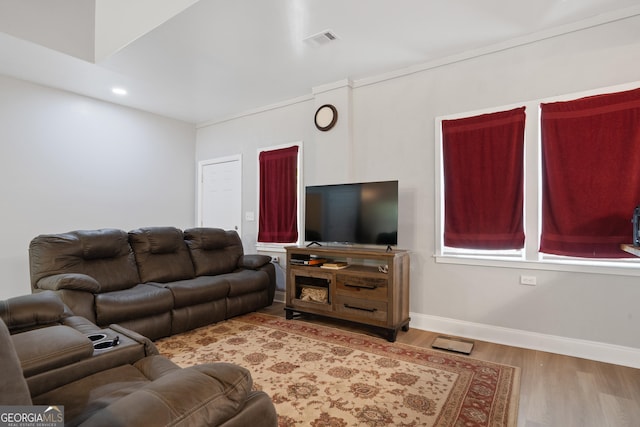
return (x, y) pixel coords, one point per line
(288, 314)
(392, 334)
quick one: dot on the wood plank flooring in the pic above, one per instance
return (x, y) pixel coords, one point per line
(555, 390)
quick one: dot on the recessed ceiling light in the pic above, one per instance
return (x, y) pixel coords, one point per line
(119, 91)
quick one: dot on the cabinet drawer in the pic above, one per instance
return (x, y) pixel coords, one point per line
(311, 306)
(361, 309)
(362, 287)
(310, 272)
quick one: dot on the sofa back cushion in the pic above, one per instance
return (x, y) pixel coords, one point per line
(104, 255)
(213, 250)
(161, 254)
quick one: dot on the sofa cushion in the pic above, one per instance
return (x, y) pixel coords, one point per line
(213, 250)
(45, 349)
(161, 254)
(104, 255)
(89, 395)
(131, 348)
(140, 301)
(154, 391)
(197, 290)
(199, 395)
(207, 239)
(220, 390)
(98, 244)
(168, 241)
(247, 281)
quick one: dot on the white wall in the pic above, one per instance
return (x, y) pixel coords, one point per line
(272, 127)
(69, 162)
(393, 138)
(276, 126)
(582, 306)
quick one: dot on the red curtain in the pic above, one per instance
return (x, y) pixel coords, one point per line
(278, 222)
(590, 152)
(483, 181)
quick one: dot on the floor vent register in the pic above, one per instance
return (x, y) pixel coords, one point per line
(453, 344)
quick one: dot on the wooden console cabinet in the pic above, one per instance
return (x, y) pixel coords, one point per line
(373, 288)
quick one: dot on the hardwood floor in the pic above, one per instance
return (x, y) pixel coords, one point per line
(555, 390)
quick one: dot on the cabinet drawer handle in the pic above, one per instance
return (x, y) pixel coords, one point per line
(360, 286)
(370, 310)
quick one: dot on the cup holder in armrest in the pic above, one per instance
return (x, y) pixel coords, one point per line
(101, 345)
(97, 337)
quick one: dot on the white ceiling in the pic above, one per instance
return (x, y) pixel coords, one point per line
(218, 58)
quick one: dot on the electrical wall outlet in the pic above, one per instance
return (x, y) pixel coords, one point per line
(528, 280)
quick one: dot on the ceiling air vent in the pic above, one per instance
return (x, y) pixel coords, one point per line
(321, 38)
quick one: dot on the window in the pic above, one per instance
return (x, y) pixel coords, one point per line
(279, 174)
(578, 194)
(590, 152)
(483, 180)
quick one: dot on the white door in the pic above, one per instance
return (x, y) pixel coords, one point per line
(220, 193)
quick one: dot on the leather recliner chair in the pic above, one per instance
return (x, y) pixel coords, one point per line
(98, 389)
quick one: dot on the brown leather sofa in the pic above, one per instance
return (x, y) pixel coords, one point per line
(157, 281)
(48, 358)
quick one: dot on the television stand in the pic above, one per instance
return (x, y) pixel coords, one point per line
(361, 285)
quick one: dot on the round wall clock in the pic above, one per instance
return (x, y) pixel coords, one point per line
(326, 117)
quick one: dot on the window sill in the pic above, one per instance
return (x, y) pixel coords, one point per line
(577, 266)
(272, 247)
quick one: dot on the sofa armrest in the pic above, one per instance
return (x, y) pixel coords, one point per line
(72, 281)
(29, 311)
(253, 261)
(45, 349)
(13, 387)
(150, 348)
(79, 303)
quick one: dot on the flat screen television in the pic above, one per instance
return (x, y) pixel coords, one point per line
(361, 213)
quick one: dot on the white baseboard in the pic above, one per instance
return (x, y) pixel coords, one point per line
(602, 352)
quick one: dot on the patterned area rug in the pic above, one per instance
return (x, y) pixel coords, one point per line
(320, 376)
